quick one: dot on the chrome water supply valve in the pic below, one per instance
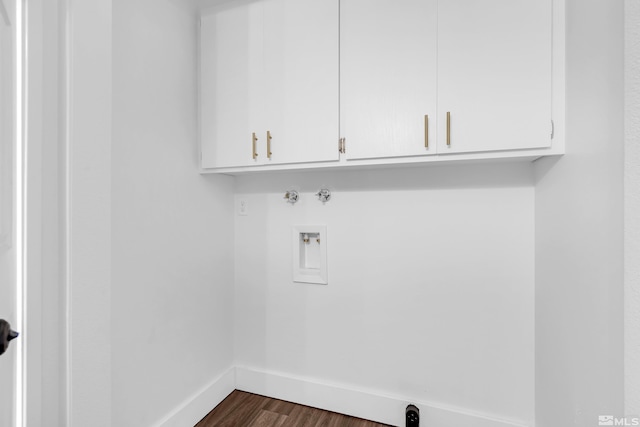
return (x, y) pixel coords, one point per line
(324, 195)
(291, 196)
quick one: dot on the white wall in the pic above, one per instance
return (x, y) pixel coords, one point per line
(172, 257)
(167, 300)
(632, 207)
(88, 212)
(50, 217)
(431, 285)
(45, 335)
(579, 231)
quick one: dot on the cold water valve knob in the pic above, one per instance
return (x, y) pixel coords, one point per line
(412, 416)
(324, 195)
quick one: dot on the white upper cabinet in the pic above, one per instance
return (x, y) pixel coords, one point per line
(269, 83)
(480, 70)
(494, 75)
(301, 72)
(388, 77)
(401, 81)
(230, 73)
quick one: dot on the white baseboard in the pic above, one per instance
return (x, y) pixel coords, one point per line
(201, 403)
(357, 403)
(331, 397)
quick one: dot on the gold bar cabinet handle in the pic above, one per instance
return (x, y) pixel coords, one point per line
(268, 144)
(448, 128)
(426, 131)
(254, 139)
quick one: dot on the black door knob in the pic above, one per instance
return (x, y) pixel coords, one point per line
(6, 335)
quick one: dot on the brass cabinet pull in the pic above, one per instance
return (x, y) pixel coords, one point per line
(254, 139)
(426, 131)
(448, 128)
(269, 144)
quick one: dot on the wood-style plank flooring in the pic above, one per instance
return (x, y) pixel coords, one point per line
(241, 409)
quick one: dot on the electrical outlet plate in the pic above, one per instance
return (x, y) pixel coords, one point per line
(242, 207)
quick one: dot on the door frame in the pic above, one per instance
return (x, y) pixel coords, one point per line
(9, 237)
(34, 215)
(6, 165)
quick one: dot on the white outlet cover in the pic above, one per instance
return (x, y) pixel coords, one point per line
(243, 207)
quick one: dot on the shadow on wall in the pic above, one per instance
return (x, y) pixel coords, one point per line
(485, 175)
(543, 166)
(199, 5)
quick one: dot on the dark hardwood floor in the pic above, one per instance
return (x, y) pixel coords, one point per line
(241, 409)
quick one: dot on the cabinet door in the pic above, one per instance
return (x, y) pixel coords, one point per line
(231, 70)
(494, 74)
(388, 77)
(301, 79)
